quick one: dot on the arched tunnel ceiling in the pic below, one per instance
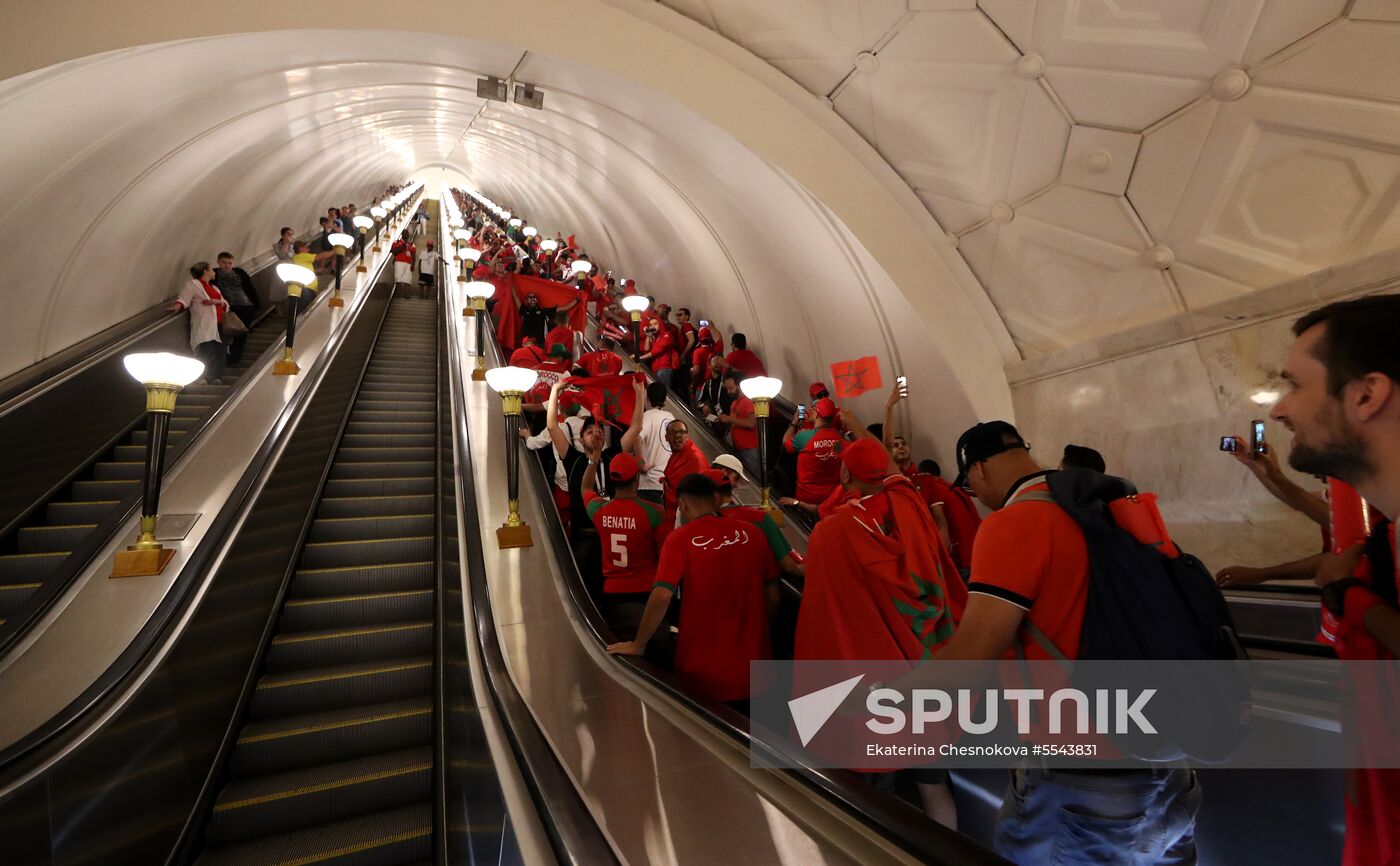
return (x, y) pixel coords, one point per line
(1061, 139)
(1070, 147)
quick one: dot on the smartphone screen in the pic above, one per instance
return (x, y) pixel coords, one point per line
(801, 413)
(1256, 437)
(1228, 443)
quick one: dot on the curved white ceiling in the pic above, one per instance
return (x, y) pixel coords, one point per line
(1253, 140)
(1071, 148)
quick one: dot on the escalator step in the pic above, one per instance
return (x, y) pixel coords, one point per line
(50, 539)
(344, 487)
(358, 454)
(316, 795)
(321, 582)
(138, 437)
(379, 427)
(361, 609)
(359, 528)
(25, 567)
(12, 595)
(312, 649)
(368, 506)
(105, 489)
(293, 742)
(337, 686)
(113, 471)
(389, 440)
(79, 512)
(381, 468)
(395, 836)
(328, 554)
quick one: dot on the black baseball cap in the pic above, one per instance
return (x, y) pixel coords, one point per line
(982, 441)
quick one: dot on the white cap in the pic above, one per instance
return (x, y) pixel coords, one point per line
(730, 462)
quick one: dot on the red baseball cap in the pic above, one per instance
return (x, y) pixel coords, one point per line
(816, 389)
(624, 467)
(706, 334)
(825, 408)
(719, 478)
(866, 460)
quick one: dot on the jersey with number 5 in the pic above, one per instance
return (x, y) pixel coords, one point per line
(630, 532)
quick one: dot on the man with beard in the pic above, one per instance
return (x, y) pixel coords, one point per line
(1343, 407)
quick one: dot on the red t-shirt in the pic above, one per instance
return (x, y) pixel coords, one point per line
(600, 363)
(744, 439)
(723, 567)
(685, 331)
(961, 514)
(1032, 554)
(702, 356)
(818, 463)
(746, 362)
(527, 356)
(562, 335)
(630, 532)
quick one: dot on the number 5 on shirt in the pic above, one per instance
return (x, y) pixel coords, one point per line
(619, 551)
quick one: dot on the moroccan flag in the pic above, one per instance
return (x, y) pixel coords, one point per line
(550, 293)
(853, 378)
(570, 245)
(607, 398)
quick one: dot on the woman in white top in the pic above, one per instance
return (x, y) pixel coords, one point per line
(207, 307)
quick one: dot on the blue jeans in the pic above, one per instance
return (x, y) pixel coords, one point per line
(1066, 818)
(749, 457)
(664, 376)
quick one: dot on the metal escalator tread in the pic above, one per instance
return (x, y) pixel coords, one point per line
(333, 762)
(36, 550)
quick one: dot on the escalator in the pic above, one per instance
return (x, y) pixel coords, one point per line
(36, 550)
(334, 759)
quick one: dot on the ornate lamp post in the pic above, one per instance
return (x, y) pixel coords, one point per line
(163, 375)
(636, 305)
(479, 291)
(512, 383)
(296, 277)
(379, 213)
(761, 390)
(341, 241)
(364, 224)
(469, 259)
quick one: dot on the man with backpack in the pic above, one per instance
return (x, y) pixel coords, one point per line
(1027, 594)
(1343, 407)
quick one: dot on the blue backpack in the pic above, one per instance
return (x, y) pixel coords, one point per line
(1143, 605)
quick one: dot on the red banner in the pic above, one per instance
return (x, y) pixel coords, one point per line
(550, 294)
(853, 378)
(607, 398)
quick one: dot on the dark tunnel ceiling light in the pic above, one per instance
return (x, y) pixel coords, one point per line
(491, 87)
(528, 96)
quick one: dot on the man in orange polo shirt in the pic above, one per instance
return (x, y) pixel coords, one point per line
(1030, 572)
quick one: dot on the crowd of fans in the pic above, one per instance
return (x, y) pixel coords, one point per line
(902, 564)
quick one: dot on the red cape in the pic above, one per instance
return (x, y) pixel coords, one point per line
(878, 586)
(550, 293)
(687, 461)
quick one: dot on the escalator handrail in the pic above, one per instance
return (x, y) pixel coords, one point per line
(896, 821)
(574, 834)
(51, 739)
(19, 624)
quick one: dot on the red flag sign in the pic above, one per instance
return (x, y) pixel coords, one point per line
(853, 378)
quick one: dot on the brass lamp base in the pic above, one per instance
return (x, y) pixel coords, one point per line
(285, 368)
(479, 374)
(141, 563)
(361, 268)
(336, 302)
(514, 536)
(466, 311)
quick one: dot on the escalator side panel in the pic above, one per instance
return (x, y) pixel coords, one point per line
(126, 793)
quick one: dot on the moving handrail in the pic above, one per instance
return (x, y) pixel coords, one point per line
(49, 741)
(574, 835)
(894, 820)
(18, 625)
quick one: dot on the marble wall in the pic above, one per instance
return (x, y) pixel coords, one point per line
(1156, 400)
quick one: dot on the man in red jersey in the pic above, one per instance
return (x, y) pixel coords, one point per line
(630, 532)
(742, 359)
(818, 454)
(724, 477)
(601, 362)
(1343, 407)
(742, 419)
(731, 590)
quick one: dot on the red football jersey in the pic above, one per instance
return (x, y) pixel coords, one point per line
(723, 566)
(630, 532)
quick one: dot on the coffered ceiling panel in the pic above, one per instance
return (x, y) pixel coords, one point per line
(1099, 163)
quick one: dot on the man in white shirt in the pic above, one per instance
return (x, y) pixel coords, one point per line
(652, 444)
(427, 269)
